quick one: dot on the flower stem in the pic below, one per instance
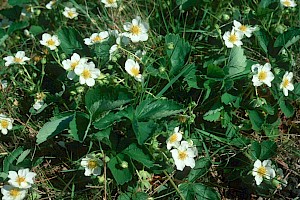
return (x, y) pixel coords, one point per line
(174, 185)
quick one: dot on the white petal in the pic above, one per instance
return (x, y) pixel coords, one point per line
(90, 82)
(258, 180)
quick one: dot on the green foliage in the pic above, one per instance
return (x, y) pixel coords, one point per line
(135, 153)
(236, 63)
(17, 26)
(198, 191)
(70, 40)
(264, 150)
(18, 2)
(286, 108)
(263, 39)
(12, 13)
(55, 126)
(256, 119)
(8, 161)
(121, 175)
(287, 38)
(177, 50)
(201, 168)
(79, 126)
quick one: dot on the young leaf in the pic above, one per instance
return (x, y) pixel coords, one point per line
(143, 130)
(236, 63)
(256, 119)
(102, 98)
(23, 156)
(213, 115)
(287, 38)
(103, 136)
(120, 174)
(156, 109)
(70, 40)
(78, 126)
(286, 108)
(11, 158)
(177, 50)
(54, 127)
(135, 153)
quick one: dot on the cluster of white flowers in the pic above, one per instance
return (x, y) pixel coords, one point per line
(86, 71)
(92, 165)
(184, 152)
(233, 38)
(19, 58)
(19, 183)
(262, 75)
(5, 123)
(288, 3)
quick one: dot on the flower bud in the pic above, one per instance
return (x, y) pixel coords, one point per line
(124, 164)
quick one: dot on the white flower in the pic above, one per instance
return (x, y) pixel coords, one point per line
(184, 156)
(174, 139)
(262, 170)
(5, 124)
(286, 84)
(71, 64)
(96, 38)
(263, 75)
(38, 104)
(5, 23)
(288, 3)
(137, 30)
(23, 179)
(87, 73)
(19, 58)
(133, 69)
(50, 4)
(91, 165)
(70, 13)
(110, 3)
(243, 29)
(232, 38)
(13, 193)
(50, 41)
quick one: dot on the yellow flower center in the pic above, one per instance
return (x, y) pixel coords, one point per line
(287, 3)
(135, 71)
(40, 96)
(74, 64)
(262, 171)
(232, 38)
(70, 14)
(50, 42)
(86, 74)
(243, 28)
(285, 83)
(14, 192)
(92, 164)
(111, 1)
(20, 179)
(173, 138)
(17, 60)
(4, 123)
(135, 30)
(182, 155)
(262, 75)
(97, 39)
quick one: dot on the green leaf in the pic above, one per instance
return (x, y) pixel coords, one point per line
(140, 196)
(271, 130)
(17, 26)
(135, 153)
(35, 30)
(203, 192)
(23, 155)
(12, 13)
(143, 130)
(7, 162)
(287, 38)
(186, 4)
(265, 3)
(214, 71)
(191, 77)
(255, 150)
(213, 115)
(125, 196)
(236, 63)
(102, 51)
(70, 40)
(286, 108)
(201, 167)
(103, 136)
(256, 119)
(297, 89)
(54, 127)
(79, 125)
(18, 2)
(187, 191)
(103, 98)
(263, 39)
(268, 150)
(120, 174)
(227, 98)
(156, 109)
(177, 50)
